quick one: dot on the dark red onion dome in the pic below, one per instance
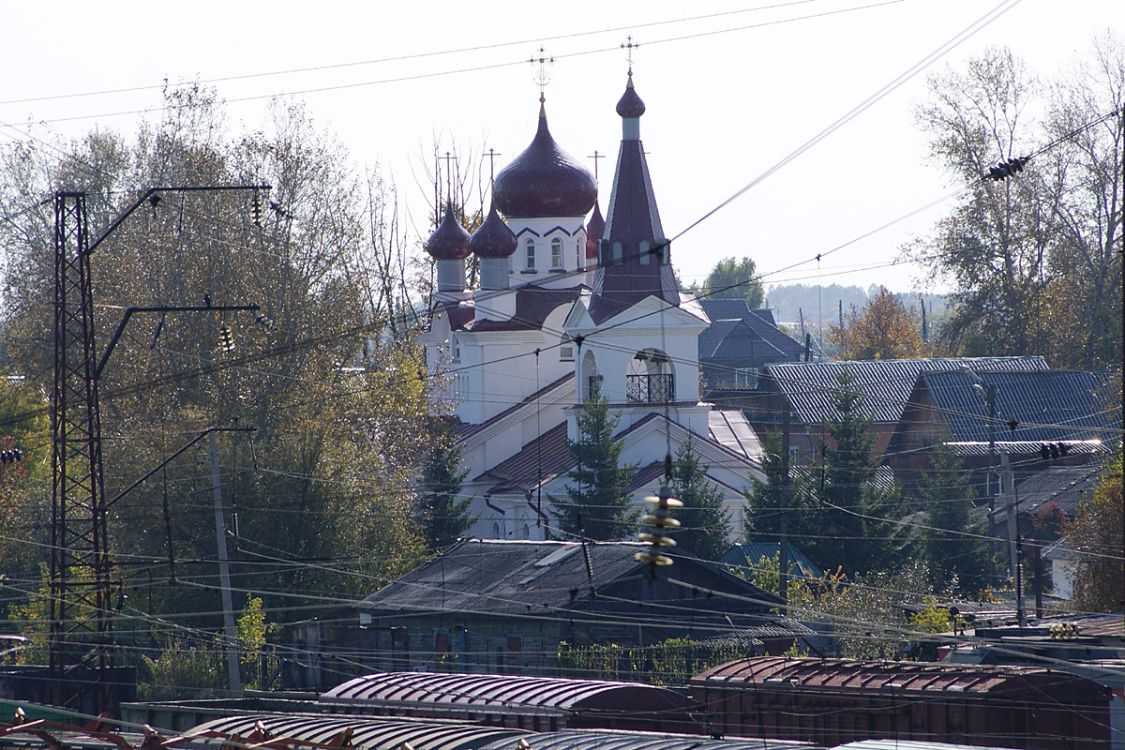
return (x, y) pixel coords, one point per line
(544, 181)
(493, 239)
(595, 227)
(449, 241)
(630, 104)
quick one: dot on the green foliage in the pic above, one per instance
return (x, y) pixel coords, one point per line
(1096, 536)
(445, 515)
(883, 330)
(734, 279)
(670, 662)
(597, 505)
(870, 614)
(944, 499)
(934, 618)
(860, 515)
(25, 486)
(1035, 259)
(765, 501)
(261, 666)
(705, 525)
(184, 671)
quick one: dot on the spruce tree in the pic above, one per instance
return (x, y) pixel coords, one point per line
(945, 497)
(597, 504)
(705, 525)
(765, 501)
(860, 514)
(445, 515)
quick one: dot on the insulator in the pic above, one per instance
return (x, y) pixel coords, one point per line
(663, 522)
(648, 557)
(226, 338)
(657, 540)
(664, 502)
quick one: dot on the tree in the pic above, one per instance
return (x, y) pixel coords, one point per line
(1025, 253)
(734, 279)
(597, 505)
(339, 436)
(705, 525)
(765, 501)
(944, 499)
(884, 330)
(860, 516)
(445, 514)
(1095, 536)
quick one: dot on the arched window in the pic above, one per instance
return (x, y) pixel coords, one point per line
(578, 243)
(590, 371)
(530, 244)
(556, 253)
(649, 378)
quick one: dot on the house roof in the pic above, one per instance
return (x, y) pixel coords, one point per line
(1066, 485)
(494, 577)
(547, 456)
(760, 336)
(799, 562)
(604, 739)
(885, 384)
(1049, 405)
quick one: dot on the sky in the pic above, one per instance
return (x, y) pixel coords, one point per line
(733, 89)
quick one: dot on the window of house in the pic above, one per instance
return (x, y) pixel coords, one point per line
(746, 377)
(556, 253)
(530, 244)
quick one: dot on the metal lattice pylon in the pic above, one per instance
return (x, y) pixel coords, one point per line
(80, 566)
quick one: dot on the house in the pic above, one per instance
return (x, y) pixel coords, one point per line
(1036, 412)
(565, 305)
(807, 390)
(504, 607)
(738, 344)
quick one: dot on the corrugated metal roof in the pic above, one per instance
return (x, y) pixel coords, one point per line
(897, 744)
(368, 734)
(1049, 405)
(1022, 447)
(730, 429)
(551, 694)
(618, 740)
(918, 677)
(885, 384)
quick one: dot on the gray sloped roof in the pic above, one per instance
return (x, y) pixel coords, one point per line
(1066, 485)
(885, 384)
(1050, 405)
(603, 739)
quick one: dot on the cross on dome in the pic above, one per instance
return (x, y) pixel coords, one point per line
(629, 46)
(542, 72)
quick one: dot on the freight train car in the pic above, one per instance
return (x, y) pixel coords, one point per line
(834, 701)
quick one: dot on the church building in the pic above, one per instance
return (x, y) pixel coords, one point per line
(568, 302)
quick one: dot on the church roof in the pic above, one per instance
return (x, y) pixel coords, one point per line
(595, 227)
(449, 241)
(533, 305)
(544, 181)
(630, 104)
(493, 238)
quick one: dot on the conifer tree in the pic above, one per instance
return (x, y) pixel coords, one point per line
(945, 497)
(597, 504)
(765, 501)
(445, 515)
(705, 525)
(860, 513)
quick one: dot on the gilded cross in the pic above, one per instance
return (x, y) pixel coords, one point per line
(543, 71)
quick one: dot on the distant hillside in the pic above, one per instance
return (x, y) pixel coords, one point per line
(790, 301)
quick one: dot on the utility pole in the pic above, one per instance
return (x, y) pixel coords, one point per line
(783, 554)
(234, 676)
(1011, 495)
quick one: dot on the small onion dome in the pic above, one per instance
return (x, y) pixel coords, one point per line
(493, 239)
(595, 227)
(544, 181)
(630, 105)
(449, 241)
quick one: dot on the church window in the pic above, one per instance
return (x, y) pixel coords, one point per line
(556, 253)
(578, 253)
(566, 349)
(644, 251)
(530, 254)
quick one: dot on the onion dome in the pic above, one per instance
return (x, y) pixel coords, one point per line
(493, 239)
(630, 104)
(544, 181)
(449, 241)
(595, 227)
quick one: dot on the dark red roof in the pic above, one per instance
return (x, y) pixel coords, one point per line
(493, 239)
(594, 229)
(533, 305)
(449, 241)
(544, 181)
